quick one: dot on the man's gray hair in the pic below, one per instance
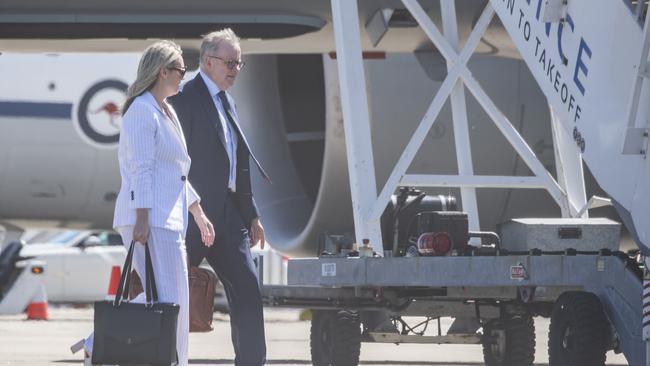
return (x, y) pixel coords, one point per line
(211, 41)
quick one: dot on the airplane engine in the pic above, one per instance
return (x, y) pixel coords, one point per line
(290, 110)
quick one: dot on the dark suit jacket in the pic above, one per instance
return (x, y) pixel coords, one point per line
(210, 165)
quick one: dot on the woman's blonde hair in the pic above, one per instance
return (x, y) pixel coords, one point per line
(156, 56)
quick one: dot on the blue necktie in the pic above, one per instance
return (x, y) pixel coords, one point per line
(228, 109)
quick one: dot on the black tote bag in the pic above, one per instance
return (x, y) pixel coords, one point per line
(135, 334)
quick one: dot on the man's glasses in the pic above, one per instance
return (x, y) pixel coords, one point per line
(180, 70)
(231, 64)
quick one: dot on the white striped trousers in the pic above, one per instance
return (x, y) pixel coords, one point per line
(169, 259)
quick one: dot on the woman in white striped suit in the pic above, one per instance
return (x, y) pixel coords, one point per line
(155, 197)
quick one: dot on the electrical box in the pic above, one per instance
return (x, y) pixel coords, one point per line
(560, 234)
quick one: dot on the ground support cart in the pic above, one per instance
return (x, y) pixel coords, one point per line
(492, 300)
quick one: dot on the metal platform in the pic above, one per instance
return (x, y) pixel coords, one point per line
(488, 271)
(443, 285)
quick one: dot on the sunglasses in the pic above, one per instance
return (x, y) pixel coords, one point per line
(231, 64)
(180, 70)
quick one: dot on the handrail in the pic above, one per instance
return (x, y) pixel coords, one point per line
(639, 9)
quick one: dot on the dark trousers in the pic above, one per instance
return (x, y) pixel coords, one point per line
(231, 259)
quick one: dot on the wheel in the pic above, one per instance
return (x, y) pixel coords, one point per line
(509, 341)
(320, 337)
(335, 338)
(579, 334)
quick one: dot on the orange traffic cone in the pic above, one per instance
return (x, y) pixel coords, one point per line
(37, 309)
(114, 282)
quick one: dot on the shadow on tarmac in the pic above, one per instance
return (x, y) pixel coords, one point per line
(222, 361)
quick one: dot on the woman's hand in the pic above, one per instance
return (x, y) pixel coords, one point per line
(206, 228)
(141, 228)
(204, 224)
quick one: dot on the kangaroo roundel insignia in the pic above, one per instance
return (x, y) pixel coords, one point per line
(98, 113)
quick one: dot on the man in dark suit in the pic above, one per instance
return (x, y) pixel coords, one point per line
(220, 173)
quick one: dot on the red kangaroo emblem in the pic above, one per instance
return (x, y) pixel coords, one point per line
(112, 110)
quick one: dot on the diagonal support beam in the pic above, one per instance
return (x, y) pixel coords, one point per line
(517, 142)
(434, 34)
(458, 62)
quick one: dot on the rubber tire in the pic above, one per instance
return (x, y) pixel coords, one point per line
(320, 337)
(518, 335)
(335, 338)
(581, 315)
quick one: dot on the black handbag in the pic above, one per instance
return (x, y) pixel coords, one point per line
(135, 334)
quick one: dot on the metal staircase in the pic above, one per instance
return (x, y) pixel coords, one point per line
(590, 60)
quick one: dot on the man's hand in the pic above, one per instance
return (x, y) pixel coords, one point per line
(257, 233)
(204, 224)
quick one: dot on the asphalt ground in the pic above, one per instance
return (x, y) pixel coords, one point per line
(35, 343)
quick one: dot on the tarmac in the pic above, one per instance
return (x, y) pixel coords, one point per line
(35, 343)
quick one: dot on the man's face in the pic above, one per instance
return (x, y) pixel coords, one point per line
(223, 66)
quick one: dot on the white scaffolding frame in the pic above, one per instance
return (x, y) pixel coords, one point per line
(367, 205)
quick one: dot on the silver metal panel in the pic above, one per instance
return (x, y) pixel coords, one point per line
(526, 234)
(550, 270)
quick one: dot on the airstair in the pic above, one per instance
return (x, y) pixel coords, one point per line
(590, 59)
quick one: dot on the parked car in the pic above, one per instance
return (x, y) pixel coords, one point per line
(78, 262)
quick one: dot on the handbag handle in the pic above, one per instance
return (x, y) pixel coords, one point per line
(125, 277)
(151, 290)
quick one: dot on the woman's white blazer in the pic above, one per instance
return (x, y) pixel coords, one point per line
(154, 165)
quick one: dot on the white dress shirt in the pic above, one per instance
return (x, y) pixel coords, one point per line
(228, 132)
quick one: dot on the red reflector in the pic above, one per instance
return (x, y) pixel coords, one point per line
(441, 244)
(434, 243)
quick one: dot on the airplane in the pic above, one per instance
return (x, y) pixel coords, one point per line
(59, 111)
